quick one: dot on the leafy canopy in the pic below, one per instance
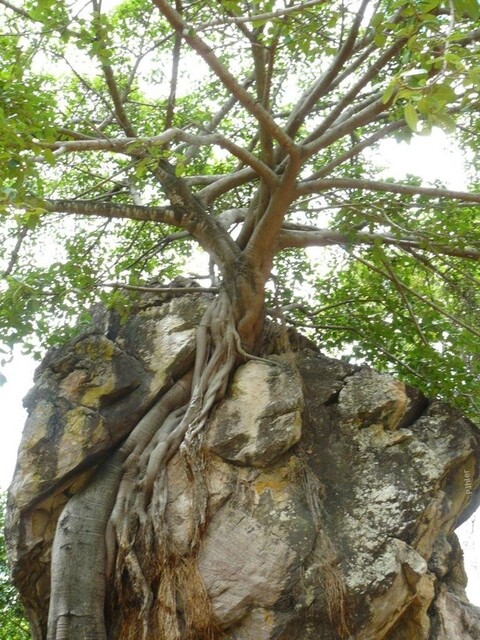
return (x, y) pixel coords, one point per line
(132, 133)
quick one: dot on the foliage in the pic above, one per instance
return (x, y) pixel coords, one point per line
(133, 132)
(13, 625)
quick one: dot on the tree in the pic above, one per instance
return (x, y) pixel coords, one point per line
(14, 626)
(246, 128)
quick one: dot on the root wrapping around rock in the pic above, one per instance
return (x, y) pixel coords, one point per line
(132, 520)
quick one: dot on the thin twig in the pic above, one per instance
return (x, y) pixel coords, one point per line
(319, 88)
(16, 250)
(259, 16)
(419, 296)
(117, 98)
(401, 290)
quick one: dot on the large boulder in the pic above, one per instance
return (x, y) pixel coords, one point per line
(333, 491)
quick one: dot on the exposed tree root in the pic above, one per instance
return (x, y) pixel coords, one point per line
(114, 534)
(125, 505)
(78, 560)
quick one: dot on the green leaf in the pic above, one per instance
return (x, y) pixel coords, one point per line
(377, 19)
(469, 7)
(411, 116)
(379, 39)
(31, 220)
(49, 156)
(389, 91)
(259, 23)
(427, 5)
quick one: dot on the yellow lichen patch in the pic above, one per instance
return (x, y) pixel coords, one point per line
(76, 427)
(278, 480)
(83, 430)
(96, 348)
(26, 491)
(93, 394)
(36, 427)
(268, 618)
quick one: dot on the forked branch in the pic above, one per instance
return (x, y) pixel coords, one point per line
(322, 85)
(138, 146)
(207, 230)
(223, 74)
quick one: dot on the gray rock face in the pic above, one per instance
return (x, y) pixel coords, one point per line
(332, 491)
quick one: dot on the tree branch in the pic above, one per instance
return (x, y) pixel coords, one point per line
(131, 287)
(86, 84)
(261, 84)
(136, 147)
(21, 12)
(346, 126)
(301, 237)
(17, 10)
(226, 183)
(88, 208)
(356, 149)
(16, 250)
(472, 36)
(117, 98)
(349, 96)
(321, 86)
(260, 16)
(366, 46)
(317, 186)
(207, 179)
(229, 81)
(217, 118)
(206, 230)
(177, 44)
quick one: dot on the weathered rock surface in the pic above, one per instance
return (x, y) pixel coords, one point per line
(333, 490)
(261, 418)
(89, 395)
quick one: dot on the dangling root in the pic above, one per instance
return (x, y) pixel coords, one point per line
(199, 617)
(328, 572)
